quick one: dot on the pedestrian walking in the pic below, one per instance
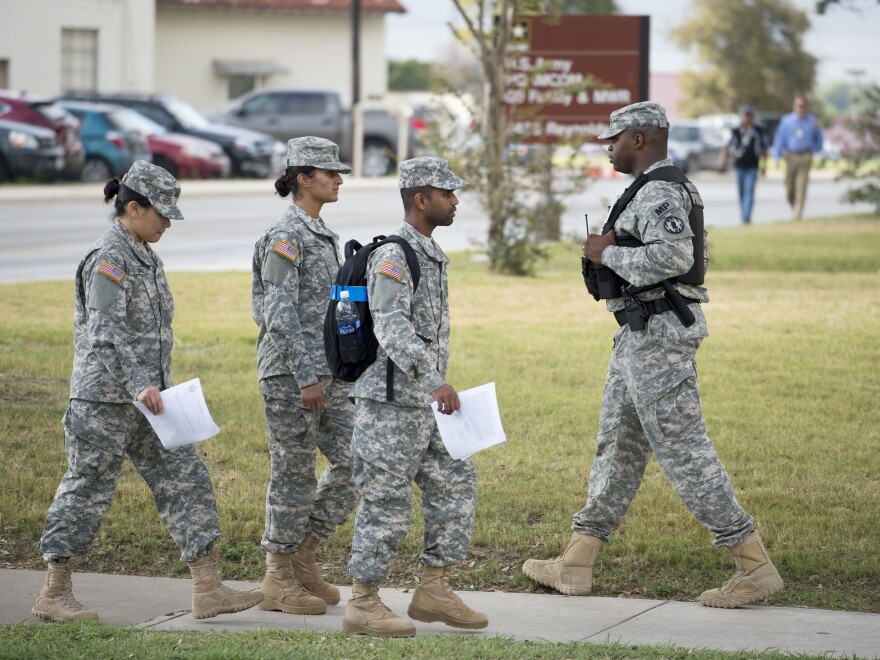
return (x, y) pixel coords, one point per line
(396, 441)
(122, 353)
(307, 409)
(749, 145)
(649, 264)
(798, 137)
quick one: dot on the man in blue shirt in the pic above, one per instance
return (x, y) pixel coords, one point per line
(798, 137)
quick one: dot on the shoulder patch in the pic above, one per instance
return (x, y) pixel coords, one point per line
(286, 250)
(103, 293)
(673, 225)
(660, 210)
(391, 270)
(112, 271)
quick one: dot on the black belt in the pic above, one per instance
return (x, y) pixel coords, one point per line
(802, 151)
(651, 307)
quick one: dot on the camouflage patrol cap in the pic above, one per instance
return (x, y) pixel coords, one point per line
(428, 171)
(637, 115)
(311, 151)
(157, 185)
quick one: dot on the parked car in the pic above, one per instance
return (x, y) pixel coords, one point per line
(290, 113)
(16, 106)
(184, 156)
(693, 148)
(110, 143)
(251, 154)
(29, 151)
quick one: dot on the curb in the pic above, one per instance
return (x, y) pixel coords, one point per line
(190, 188)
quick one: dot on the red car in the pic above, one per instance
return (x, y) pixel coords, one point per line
(21, 107)
(184, 156)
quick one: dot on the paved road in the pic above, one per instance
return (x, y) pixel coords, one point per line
(45, 230)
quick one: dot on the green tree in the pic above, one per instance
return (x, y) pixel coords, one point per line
(823, 5)
(749, 51)
(519, 197)
(863, 164)
(409, 76)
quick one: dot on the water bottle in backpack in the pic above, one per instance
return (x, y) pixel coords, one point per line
(347, 326)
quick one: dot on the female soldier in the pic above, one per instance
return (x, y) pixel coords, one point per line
(122, 351)
(295, 263)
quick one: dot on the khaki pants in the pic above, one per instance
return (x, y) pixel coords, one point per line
(797, 176)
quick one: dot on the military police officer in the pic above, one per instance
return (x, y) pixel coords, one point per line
(122, 352)
(395, 439)
(295, 263)
(652, 400)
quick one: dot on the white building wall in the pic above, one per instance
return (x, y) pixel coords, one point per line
(30, 39)
(315, 48)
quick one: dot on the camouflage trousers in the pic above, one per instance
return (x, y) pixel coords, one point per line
(652, 403)
(298, 504)
(393, 447)
(97, 437)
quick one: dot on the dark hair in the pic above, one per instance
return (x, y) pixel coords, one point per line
(123, 195)
(286, 183)
(408, 195)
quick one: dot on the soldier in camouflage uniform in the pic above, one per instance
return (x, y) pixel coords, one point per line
(396, 442)
(652, 400)
(122, 352)
(295, 263)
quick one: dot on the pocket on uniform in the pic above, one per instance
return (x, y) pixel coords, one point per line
(677, 404)
(663, 383)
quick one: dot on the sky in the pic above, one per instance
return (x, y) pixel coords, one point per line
(844, 41)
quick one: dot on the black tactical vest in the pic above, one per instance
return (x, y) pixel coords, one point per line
(605, 285)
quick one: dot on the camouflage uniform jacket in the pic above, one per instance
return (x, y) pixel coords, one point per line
(295, 263)
(412, 328)
(649, 217)
(122, 322)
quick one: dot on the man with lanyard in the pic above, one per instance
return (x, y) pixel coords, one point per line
(749, 145)
(798, 137)
(652, 401)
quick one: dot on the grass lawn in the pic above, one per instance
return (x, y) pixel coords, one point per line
(91, 640)
(790, 385)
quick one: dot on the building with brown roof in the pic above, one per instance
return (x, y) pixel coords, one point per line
(204, 51)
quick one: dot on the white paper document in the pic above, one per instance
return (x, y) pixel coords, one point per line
(185, 419)
(474, 426)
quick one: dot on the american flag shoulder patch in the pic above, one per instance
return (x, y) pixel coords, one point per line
(115, 273)
(286, 250)
(391, 270)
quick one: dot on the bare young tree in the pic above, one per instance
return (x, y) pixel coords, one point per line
(519, 194)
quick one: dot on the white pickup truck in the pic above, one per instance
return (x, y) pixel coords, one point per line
(290, 113)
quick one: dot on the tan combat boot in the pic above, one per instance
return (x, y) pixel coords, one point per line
(433, 601)
(55, 602)
(210, 596)
(572, 573)
(366, 614)
(756, 577)
(282, 592)
(306, 572)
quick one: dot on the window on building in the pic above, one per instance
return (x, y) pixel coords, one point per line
(4, 74)
(79, 60)
(241, 84)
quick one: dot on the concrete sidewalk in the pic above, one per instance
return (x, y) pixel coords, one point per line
(163, 604)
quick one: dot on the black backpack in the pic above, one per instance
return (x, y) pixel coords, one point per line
(349, 364)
